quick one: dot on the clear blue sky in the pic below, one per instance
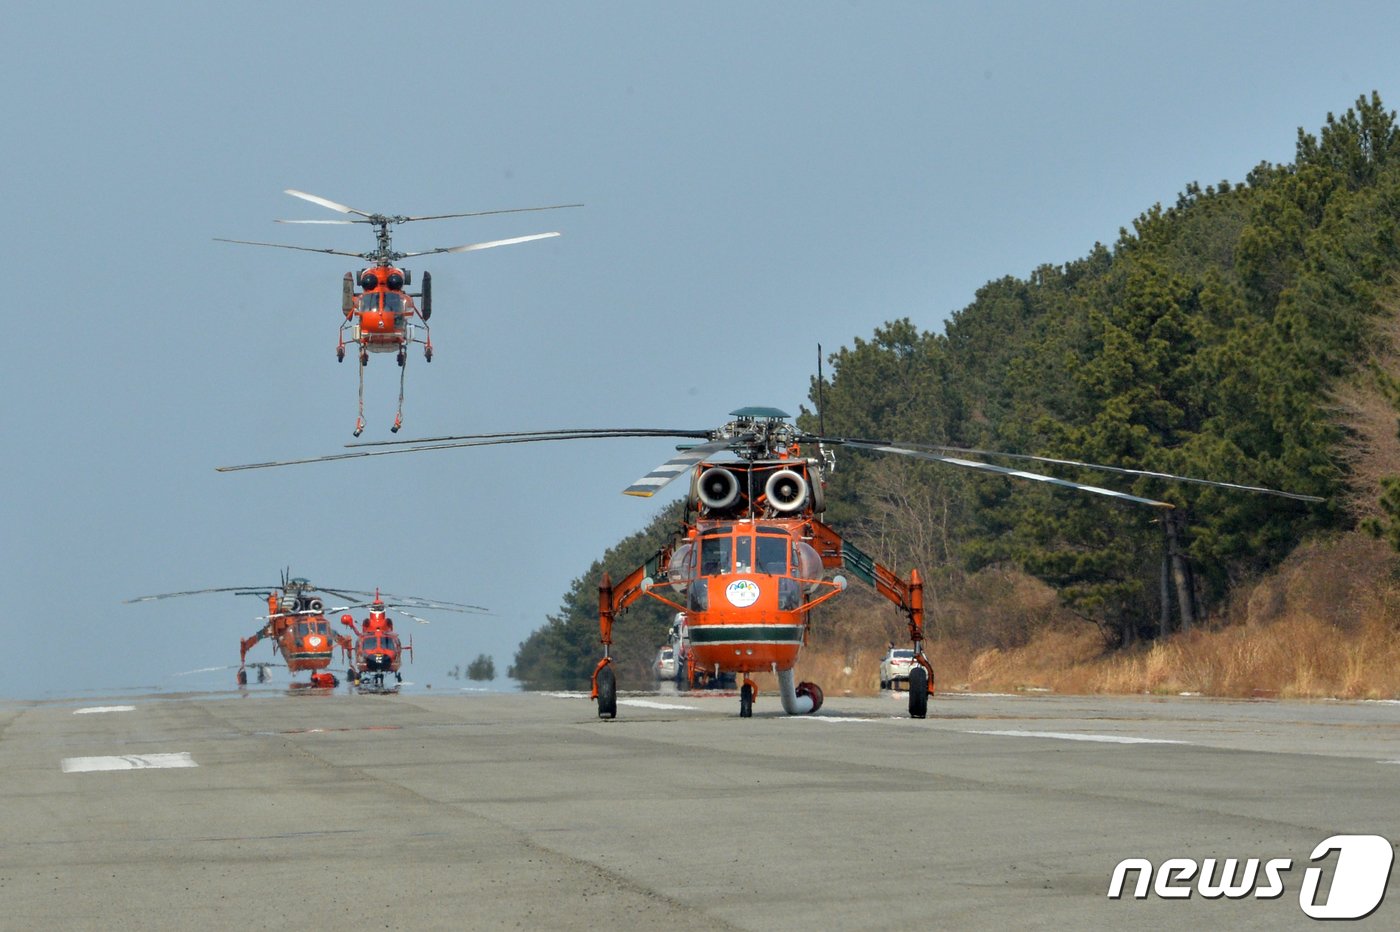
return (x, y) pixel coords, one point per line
(758, 178)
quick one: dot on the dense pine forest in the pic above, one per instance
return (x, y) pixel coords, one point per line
(1244, 334)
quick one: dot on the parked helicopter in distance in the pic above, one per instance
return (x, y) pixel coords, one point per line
(296, 622)
(754, 557)
(382, 317)
(378, 649)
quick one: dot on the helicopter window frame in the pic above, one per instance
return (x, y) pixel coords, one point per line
(773, 554)
(743, 553)
(716, 554)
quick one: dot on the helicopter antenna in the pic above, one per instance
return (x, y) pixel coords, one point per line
(821, 405)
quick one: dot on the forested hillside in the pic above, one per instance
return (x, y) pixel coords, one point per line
(1234, 335)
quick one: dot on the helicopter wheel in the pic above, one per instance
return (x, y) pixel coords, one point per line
(918, 692)
(746, 701)
(607, 693)
(428, 354)
(364, 359)
(398, 677)
(340, 354)
(242, 677)
(400, 357)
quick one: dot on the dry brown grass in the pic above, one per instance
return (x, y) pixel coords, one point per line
(1325, 624)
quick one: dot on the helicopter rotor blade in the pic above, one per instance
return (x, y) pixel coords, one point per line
(654, 481)
(324, 222)
(324, 202)
(1119, 470)
(240, 590)
(470, 247)
(999, 470)
(568, 433)
(332, 252)
(469, 442)
(399, 611)
(486, 213)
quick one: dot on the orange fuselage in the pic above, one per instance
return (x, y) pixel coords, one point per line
(383, 318)
(748, 587)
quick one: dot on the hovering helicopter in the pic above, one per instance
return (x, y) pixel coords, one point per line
(380, 318)
(378, 649)
(753, 557)
(296, 623)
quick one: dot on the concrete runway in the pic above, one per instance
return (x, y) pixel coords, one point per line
(478, 810)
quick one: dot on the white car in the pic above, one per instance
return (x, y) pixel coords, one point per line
(666, 664)
(895, 667)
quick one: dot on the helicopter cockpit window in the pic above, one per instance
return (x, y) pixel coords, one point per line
(743, 554)
(303, 629)
(369, 301)
(393, 301)
(715, 555)
(772, 555)
(371, 644)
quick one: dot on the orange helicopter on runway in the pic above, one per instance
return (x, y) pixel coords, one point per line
(753, 557)
(378, 649)
(295, 622)
(382, 317)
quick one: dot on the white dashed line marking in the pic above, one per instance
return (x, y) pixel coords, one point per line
(128, 762)
(649, 704)
(1071, 736)
(93, 710)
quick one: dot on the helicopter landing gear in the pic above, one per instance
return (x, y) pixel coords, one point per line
(400, 358)
(747, 693)
(340, 353)
(428, 353)
(242, 677)
(605, 684)
(918, 692)
(398, 677)
(352, 677)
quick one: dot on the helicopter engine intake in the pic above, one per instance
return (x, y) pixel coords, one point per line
(786, 490)
(718, 487)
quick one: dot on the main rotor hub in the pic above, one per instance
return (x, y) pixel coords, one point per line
(760, 433)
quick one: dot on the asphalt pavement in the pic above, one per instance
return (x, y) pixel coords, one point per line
(447, 810)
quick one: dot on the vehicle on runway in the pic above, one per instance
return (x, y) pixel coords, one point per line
(378, 649)
(665, 666)
(896, 667)
(382, 317)
(753, 557)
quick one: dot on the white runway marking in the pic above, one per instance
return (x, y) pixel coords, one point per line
(1070, 736)
(104, 708)
(835, 719)
(649, 704)
(127, 762)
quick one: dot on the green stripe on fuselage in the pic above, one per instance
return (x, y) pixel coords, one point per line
(727, 634)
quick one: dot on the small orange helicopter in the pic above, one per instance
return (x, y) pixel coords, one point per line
(378, 649)
(296, 623)
(753, 557)
(381, 317)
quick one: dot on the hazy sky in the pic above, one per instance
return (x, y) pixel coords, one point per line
(759, 177)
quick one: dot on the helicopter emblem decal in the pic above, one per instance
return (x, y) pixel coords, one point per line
(742, 593)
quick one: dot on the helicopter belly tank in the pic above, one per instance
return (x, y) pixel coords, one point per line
(309, 659)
